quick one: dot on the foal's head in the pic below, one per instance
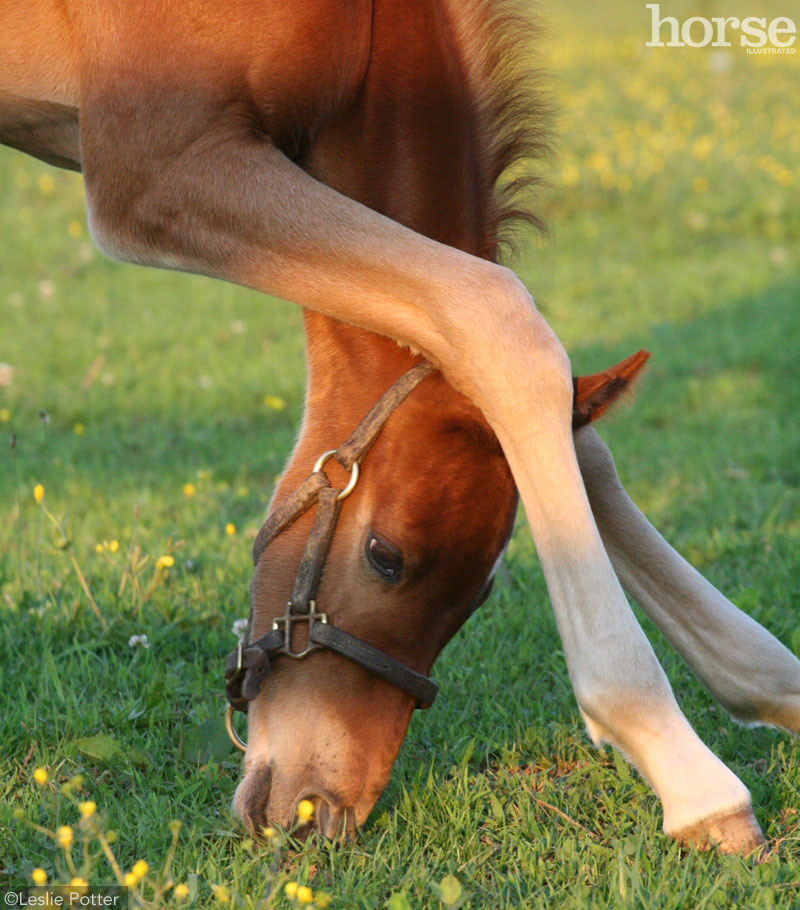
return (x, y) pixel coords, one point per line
(411, 558)
(413, 555)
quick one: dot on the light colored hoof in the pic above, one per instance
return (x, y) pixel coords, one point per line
(736, 832)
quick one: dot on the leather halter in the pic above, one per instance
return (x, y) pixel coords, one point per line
(248, 665)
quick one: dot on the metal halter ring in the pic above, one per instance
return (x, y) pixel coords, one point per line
(351, 484)
(231, 730)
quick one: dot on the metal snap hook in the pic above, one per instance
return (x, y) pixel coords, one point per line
(234, 737)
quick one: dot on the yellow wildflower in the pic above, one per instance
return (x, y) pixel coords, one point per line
(64, 836)
(181, 891)
(600, 163)
(77, 781)
(75, 229)
(79, 882)
(275, 402)
(79, 429)
(323, 900)
(87, 808)
(39, 876)
(221, 893)
(38, 492)
(40, 776)
(140, 868)
(165, 562)
(230, 529)
(189, 489)
(290, 889)
(98, 548)
(5, 415)
(702, 147)
(304, 895)
(46, 184)
(130, 880)
(570, 175)
(305, 809)
(113, 546)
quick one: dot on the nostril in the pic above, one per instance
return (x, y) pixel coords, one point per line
(252, 796)
(330, 818)
(334, 822)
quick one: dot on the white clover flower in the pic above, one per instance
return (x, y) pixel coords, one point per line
(138, 641)
(720, 61)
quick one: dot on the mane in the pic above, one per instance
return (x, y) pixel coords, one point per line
(497, 42)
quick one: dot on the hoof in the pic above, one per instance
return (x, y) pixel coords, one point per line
(736, 832)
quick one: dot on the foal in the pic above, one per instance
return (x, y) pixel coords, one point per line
(345, 157)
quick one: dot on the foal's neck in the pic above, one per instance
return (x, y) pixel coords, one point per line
(415, 146)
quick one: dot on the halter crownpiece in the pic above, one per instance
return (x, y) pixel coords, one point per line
(249, 665)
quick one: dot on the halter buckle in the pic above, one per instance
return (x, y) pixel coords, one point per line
(289, 619)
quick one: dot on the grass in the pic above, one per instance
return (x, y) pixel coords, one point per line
(676, 228)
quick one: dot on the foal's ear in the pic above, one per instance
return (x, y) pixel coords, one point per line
(595, 394)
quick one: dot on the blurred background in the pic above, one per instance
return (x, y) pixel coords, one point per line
(675, 226)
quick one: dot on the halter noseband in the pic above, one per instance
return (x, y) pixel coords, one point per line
(248, 665)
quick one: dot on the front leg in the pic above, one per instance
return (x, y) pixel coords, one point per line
(194, 189)
(741, 664)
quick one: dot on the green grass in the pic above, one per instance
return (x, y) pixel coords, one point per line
(167, 374)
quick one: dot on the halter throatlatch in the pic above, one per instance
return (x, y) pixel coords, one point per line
(249, 664)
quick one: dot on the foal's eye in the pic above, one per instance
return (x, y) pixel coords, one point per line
(384, 558)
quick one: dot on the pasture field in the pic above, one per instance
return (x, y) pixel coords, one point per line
(171, 403)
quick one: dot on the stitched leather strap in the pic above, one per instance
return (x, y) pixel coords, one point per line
(243, 677)
(378, 662)
(316, 549)
(297, 502)
(362, 438)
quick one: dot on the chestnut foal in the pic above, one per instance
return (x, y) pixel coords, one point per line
(344, 156)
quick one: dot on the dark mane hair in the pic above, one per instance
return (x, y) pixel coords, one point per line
(498, 40)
